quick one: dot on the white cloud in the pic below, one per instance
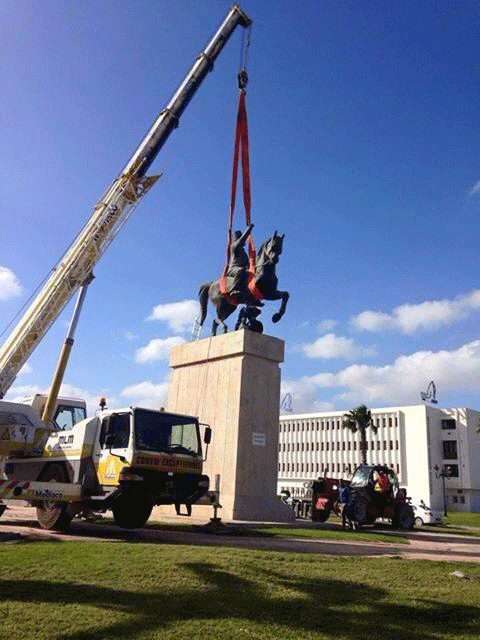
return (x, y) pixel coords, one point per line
(9, 285)
(129, 335)
(428, 315)
(18, 393)
(332, 346)
(396, 383)
(147, 394)
(475, 189)
(304, 394)
(326, 325)
(27, 368)
(157, 349)
(179, 316)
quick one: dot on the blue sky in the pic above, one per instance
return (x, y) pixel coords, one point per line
(363, 120)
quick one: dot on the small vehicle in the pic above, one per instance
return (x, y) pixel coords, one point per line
(325, 498)
(425, 515)
(320, 499)
(374, 493)
(286, 498)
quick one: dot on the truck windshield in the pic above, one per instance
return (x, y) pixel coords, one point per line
(155, 431)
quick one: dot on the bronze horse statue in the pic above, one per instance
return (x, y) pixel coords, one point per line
(264, 278)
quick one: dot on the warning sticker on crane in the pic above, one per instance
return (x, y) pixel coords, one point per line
(111, 471)
(6, 434)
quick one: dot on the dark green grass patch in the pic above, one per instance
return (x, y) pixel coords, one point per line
(301, 530)
(105, 590)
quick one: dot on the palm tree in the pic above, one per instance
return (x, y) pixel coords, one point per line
(360, 419)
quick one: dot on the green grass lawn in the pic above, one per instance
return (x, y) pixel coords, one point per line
(120, 590)
(464, 519)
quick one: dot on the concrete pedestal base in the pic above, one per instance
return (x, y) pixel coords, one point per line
(232, 383)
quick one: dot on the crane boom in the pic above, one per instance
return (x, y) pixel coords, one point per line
(109, 214)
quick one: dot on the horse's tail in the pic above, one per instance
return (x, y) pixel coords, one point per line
(203, 299)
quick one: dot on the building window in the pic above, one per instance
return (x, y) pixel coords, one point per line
(449, 423)
(455, 499)
(450, 450)
(391, 445)
(462, 499)
(384, 445)
(373, 445)
(451, 470)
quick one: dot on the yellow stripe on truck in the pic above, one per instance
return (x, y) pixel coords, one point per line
(167, 463)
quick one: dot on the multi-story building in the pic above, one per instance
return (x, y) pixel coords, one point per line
(435, 452)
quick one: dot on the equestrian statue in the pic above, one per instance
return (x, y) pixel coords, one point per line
(243, 284)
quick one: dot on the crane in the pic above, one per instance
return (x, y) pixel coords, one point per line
(74, 270)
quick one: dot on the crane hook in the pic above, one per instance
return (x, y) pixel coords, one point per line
(242, 80)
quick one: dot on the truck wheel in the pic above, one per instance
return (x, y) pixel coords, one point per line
(358, 511)
(2, 509)
(404, 518)
(320, 515)
(131, 514)
(51, 514)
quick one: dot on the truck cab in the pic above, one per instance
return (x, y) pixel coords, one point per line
(126, 460)
(68, 411)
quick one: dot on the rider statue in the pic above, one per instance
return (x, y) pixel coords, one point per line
(238, 264)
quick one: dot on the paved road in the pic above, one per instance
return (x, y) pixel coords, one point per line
(19, 523)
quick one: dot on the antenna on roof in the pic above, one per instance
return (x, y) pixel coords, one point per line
(287, 403)
(430, 393)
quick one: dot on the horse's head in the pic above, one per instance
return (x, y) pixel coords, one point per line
(273, 247)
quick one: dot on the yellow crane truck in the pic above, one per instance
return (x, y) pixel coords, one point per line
(123, 460)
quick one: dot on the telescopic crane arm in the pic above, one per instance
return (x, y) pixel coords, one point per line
(109, 214)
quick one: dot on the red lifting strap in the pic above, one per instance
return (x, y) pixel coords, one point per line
(241, 146)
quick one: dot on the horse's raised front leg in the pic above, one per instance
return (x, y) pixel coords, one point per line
(284, 296)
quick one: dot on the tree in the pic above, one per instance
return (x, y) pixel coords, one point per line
(360, 419)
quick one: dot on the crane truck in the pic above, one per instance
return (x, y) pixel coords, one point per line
(123, 460)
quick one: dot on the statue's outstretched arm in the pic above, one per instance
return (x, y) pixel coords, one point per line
(246, 233)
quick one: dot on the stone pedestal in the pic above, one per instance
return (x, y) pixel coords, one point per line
(232, 383)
